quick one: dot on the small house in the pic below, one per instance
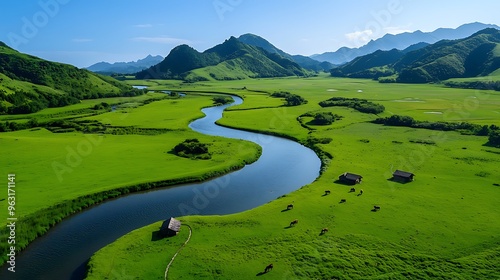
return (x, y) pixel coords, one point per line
(350, 178)
(402, 176)
(170, 227)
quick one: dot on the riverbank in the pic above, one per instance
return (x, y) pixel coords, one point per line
(52, 189)
(442, 225)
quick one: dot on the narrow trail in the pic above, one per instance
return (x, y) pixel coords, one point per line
(176, 253)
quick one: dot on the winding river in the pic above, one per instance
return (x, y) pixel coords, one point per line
(63, 252)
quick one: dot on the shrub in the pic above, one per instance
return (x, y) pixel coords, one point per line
(221, 100)
(290, 99)
(192, 148)
(361, 105)
(325, 118)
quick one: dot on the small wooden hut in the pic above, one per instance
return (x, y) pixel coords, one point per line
(402, 176)
(350, 178)
(170, 227)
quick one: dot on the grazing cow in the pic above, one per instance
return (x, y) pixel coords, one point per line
(327, 192)
(376, 207)
(353, 190)
(343, 200)
(361, 192)
(290, 206)
(294, 222)
(268, 268)
(324, 230)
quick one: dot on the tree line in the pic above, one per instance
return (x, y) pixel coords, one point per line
(361, 105)
(492, 131)
(290, 99)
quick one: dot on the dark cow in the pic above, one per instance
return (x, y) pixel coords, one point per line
(327, 192)
(376, 208)
(343, 200)
(353, 190)
(289, 207)
(294, 222)
(324, 230)
(268, 268)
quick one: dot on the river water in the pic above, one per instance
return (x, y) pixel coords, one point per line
(64, 251)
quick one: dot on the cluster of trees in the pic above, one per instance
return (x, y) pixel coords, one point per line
(487, 85)
(221, 100)
(192, 148)
(361, 105)
(26, 103)
(325, 118)
(290, 99)
(56, 126)
(102, 106)
(492, 131)
(494, 138)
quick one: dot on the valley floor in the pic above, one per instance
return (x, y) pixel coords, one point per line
(443, 225)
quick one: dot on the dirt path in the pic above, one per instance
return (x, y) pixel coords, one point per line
(175, 255)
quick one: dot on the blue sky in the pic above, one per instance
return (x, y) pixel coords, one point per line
(83, 32)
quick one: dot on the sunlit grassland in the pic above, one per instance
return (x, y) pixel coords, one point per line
(422, 102)
(443, 225)
(73, 164)
(169, 113)
(68, 165)
(71, 171)
(153, 254)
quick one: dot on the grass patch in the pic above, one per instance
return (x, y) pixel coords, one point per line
(442, 225)
(55, 179)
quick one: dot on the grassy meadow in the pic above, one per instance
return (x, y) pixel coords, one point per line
(59, 173)
(444, 225)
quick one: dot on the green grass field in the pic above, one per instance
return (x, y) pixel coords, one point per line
(60, 168)
(444, 225)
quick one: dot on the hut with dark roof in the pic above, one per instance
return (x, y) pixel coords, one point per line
(402, 176)
(350, 178)
(170, 227)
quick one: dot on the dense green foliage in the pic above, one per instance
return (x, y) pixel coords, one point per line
(232, 59)
(323, 118)
(221, 100)
(290, 99)
(492, 131)
(193, 149)
(494, 138)
(361, 105)
(474, 84)
(52, 84)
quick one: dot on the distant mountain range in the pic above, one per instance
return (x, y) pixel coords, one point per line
(230, 60)
(125, 67)
(29, 84)
(401, 42)
(476, 55)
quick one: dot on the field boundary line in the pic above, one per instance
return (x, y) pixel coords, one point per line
(176, 253)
